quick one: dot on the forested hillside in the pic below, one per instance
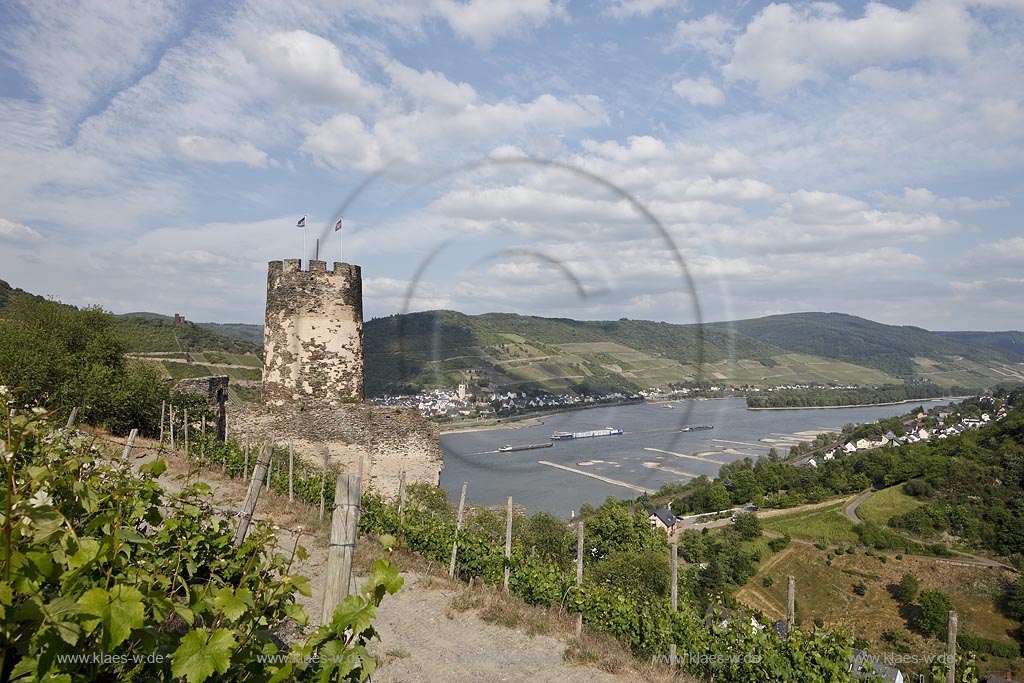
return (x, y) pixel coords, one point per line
(889, 348)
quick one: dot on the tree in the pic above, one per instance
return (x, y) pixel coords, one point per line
(718, 497)
(747, 525)
(1015, 601)
(613, 527)
(550, 539)
(906, 589)
(645, 574)
(58, 356)
(935, 608)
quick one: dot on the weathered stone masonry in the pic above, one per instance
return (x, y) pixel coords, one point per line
(313, 334)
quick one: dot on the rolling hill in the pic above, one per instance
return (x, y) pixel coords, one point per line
(1009, 342)
(439, 348)
(503, 350)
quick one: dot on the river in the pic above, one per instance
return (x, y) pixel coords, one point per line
(651, 451)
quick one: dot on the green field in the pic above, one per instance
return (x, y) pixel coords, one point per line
(883, 505)
(814, 525)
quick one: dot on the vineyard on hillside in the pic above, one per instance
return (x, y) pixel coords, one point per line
(104, 576)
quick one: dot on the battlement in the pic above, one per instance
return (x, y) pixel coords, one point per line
(294, 265)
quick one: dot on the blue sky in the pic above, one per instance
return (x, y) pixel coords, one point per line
(863, 158)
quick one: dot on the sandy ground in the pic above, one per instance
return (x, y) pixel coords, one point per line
(421, 637)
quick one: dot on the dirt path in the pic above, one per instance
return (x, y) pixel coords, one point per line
(423, 639)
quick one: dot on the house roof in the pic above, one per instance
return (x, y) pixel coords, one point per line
(665, 515)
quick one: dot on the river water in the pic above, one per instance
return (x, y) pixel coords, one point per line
(651, 451)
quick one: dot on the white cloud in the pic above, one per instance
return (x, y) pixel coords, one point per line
(643, 8)
(220, 151)
(699, 91)
(918, 198)
(709, 34)
(1008, 253)
(785, 46)
(431, 87)
(18, 232)
(344, 141)
(310, 67)
(77, 54)
(483, 21)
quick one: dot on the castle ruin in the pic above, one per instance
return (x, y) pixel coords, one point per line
(313, 382)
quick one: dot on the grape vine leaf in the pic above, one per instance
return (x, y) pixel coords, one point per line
(197, 658)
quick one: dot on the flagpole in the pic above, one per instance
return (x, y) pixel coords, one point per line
(303, 241)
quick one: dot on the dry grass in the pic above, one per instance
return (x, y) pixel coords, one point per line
(495, 607)
(826, 592)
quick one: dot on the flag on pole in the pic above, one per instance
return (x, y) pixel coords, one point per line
(301, 223)
(338, 225)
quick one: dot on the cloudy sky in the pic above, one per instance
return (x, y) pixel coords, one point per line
(577, 159)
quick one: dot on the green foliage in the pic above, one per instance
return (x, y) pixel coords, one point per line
(888, 393)
(58, 356)
(748, 526)
(644, 574)
(906, 589)
(104, 576)
(614, 527)
(1015, 600)
(935, 608)
(547, 539)
(987, 646)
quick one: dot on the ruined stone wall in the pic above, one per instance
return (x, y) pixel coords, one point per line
(390, 440)
(215, 390)
(313, 334)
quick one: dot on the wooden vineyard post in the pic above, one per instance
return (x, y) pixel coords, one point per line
(245, 469)
(401, 498)
(674, 593)
(951, 647)
(72, 418)
(163, 407)
(251, 496)
(170, 423)
(579, 571)
(344, 523)
(508, 543)
(129, 443)
(791, 604)
(458, 529)
(271, 463)
(185, 430)
(323, 482)
(291, 471)
(202, 444)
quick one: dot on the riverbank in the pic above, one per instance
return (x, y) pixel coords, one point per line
(865, 405)
(524, 420)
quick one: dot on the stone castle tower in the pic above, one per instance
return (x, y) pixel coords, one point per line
(313, 334)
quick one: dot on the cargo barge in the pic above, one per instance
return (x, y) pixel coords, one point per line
(527, 447)
(568, 436)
